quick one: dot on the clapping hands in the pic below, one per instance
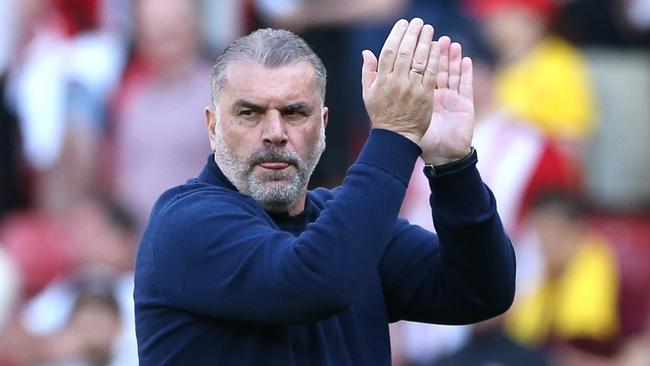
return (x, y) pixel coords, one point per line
(423, 90)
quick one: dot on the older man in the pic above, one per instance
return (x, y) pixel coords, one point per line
(243, 266)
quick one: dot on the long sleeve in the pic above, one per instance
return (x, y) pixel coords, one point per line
(217, 254)
(464, 274)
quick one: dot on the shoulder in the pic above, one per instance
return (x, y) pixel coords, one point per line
(195, 199)
(188, 220)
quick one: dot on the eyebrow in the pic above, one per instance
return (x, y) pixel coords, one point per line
(298, 106)
(292, 107)
(242, 103)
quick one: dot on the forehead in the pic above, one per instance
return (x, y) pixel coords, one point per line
(270, 84)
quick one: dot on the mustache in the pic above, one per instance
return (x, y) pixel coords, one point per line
(274, 154)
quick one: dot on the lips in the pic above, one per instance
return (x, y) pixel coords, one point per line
(275, 165)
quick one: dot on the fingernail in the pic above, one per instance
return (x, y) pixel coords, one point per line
(427, 28)
(402, 23)
(417, 21)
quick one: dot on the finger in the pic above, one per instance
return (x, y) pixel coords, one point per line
(369, 69)
(407, 47)
(455, 57)
(466, 78)
(431, 71)
(421, 54)
(442, 79)
(389, 51)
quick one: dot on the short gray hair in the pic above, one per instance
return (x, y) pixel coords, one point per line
(271, 48)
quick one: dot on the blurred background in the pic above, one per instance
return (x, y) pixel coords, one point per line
(101, 110)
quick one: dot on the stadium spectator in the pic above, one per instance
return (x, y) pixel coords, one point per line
(518, 163)
(157, 139)
(103, 240)
(63, 69)
(541, 79)
(576, 307)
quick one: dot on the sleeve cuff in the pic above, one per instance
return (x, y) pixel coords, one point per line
(452, 166)
(391, 152)
(457, 189)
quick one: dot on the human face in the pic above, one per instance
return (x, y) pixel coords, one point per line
(166, 34)
(559, 237)
(512, 31)
(268, 132)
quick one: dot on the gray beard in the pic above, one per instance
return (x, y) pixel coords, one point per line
(273, 198)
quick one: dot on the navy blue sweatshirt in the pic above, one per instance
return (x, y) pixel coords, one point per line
(220, 281)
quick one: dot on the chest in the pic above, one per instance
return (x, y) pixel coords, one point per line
(358, 336)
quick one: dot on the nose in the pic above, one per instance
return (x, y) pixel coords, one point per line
(274, 132)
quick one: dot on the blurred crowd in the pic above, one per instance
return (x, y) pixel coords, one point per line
(101, 110)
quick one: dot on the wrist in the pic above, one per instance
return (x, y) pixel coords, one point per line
(437, 160)
(431, 170)
(413, 137)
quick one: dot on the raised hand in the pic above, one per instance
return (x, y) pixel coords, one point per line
(398, 89)
(449, 136)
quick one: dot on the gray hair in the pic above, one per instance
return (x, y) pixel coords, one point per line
(271, 48)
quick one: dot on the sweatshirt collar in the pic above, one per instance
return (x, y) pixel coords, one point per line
(212, 174)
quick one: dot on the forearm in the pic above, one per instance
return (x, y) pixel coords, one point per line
(463, 275)
(477, 259)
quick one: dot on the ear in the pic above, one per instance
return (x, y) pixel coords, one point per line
(210, 123)
(326, 113)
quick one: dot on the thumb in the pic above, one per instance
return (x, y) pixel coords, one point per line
(369, 69)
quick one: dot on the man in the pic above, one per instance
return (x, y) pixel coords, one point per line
(243, 266)
(166, 83)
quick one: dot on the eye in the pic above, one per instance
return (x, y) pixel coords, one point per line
(246, 113)
(294, 113)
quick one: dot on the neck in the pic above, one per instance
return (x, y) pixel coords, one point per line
(299, 206)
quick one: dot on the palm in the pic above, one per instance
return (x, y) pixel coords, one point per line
(449, 135)
(452, 125)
